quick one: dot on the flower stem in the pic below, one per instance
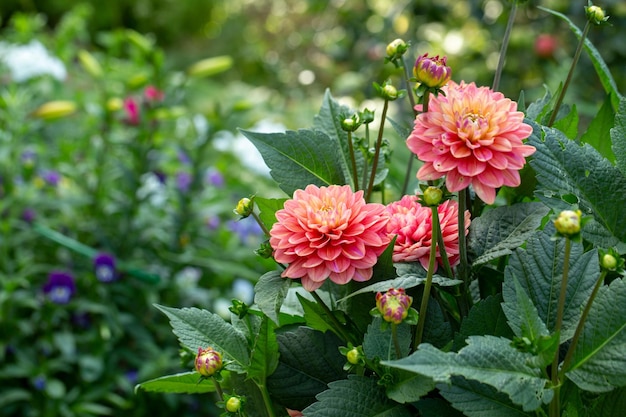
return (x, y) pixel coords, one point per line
(218, 388)
(336, 324)
(570, 350)
(570, 74)
(365, 167)
(396, 344)
(353, 161)
(429, 279)
(266, 400)
(407, 82)
(463, 269)
(379, 142)
(258, 220)
(504, 46)
(555, 405)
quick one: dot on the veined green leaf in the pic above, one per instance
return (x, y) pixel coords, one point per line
(264, 354)
(611, 404)
(618, 137)
(520, 311)
(598, 132)
(357, 396)
(183, 383)
(599, 362)
(268, 208)
(197, 328)
(299, 158)
(487, 359)
(270, 292)
(484, 318)
(378, 342)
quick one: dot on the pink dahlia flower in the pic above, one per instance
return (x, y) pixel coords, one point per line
(472, 135)
(329, 232)
(411, 223)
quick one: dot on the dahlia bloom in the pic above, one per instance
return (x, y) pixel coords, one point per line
(411, 223)
(472, 135)
(329, 232)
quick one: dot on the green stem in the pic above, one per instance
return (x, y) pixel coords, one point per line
(570, 350)
(258, 220)
(396, 343)
(463, 269)
(353, 161)
(218, 388)
(429, 279)
(379, 142)
(266, 400)
(555, 405)
(407, 83)
(504, 46)
(365, 164)
(570, 74)
(337, 325)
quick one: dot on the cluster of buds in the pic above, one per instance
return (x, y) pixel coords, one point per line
(394, 306)
(208, 362)
(432, 72)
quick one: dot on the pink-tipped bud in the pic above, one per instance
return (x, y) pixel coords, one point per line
(393, 305)
(432, 71)
(568, 223)
(208, 361)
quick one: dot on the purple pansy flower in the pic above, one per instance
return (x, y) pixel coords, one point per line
(104, 267)
(51, 177)
(60, 287)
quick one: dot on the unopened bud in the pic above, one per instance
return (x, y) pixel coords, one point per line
(595, 14)
(210, 66)
(53, 110)
(244, 208)
(233, 404)
(432, 72)
(389, 92)
(568, 222)
(265, 250)
(114, 104)
(609, 262)
(90, 63)
(396, 48)
(208, 362)
(393, 305)
(367, 116)
(354, 356)
(432, 196)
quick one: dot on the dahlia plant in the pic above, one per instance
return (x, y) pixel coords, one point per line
(488, 283)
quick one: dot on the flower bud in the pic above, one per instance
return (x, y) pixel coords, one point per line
(208, 362)
(265, 250)
(432, 196)
(210, 66)
(396, 48)
(389, 92)
(354, 356)
(393, 305)
(366, 116)
(114, 104)
(433, 72)
(568, 222)
(90, 63)
(595, 14)
(233, 404)
(244, 208)
(609, 262)
(53, 110)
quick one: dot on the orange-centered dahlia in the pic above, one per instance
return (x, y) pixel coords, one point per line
(471, 135)
(329, 232)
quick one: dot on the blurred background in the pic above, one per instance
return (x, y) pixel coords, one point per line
(142, 163)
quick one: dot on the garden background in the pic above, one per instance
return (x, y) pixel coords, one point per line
(141, 159)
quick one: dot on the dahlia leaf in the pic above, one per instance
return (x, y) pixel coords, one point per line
(611, 404)
(270, 292)
(183, 383)
(539, 270)
(410, 388)
(328, 120)
(607, 80)
(268, 208)
(485, 318)
(520, 311)
(264, 352)
(599, 129)
(308, 361)
(569, 123)
(486, 359)
(437, 331)
(569, 173)
(299, 158)
(197, 328)
(475, 399)
(316, 316)
(599, 363)
(378, 341)
(357, 396)
(618, 137)
(501, 230)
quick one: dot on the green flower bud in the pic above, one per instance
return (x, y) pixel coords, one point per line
(354, 356)
(90, 63)
(609, 262)
(210, 66)
(265, 250)
(233, 404)
(366, 116)
(389, 92)
(208, 362)
(350, 124)
(53, 110)
(393, 305)
(432, 196)
(244, 208)
(568, 222)
(595, 14)
(396, 48)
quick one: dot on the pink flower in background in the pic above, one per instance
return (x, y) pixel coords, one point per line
(411, 223)
(131, 108)
(472, 135)
(329, 232)
(153, 94)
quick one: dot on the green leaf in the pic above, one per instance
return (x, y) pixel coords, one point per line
(437, 331)
(596, 58)
(487, 359)
(183, 383)
(410, 388)
(308, 361)
(299, 158)
(539, 269)
(618, 137)
(568, 124)
(270, 292)
(10, 396)
(566, 170)
(378, 342)
(485, 318)
(599, 363)
(268, 208)
(523, 317)
(316, 316)
(501, 230)
(197, 328)
(599, 130)
(356, 396)
(611, 404)
(479, 400)
(264, 352)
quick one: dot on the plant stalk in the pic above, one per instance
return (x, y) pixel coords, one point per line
(504, 46)
(337, 325)
(353, 162)
(463, 269)
(379, 142)
(396, 344)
